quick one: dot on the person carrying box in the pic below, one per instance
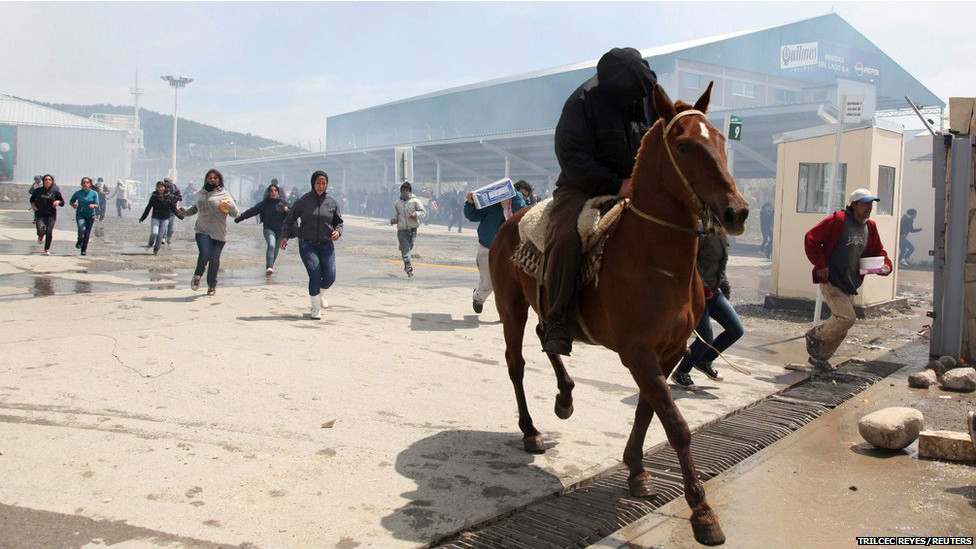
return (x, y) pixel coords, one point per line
(835, 247)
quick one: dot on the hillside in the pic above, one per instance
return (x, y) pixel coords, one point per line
(158, 133)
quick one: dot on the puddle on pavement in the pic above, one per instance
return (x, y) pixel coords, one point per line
(152, 279)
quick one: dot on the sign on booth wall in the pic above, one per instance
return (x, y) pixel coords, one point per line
(854, 108)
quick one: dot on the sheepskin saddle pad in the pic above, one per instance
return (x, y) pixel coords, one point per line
(595, 222)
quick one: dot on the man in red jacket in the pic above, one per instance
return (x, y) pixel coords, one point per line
(835, 247)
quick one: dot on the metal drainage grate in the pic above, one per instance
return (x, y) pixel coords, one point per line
(587, 514)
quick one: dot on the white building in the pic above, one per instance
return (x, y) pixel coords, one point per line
(39, 140)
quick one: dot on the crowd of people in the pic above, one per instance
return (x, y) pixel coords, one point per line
(616, 99)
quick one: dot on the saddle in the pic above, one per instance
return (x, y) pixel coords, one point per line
(595, 223)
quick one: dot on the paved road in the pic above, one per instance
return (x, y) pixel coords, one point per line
(135, 412)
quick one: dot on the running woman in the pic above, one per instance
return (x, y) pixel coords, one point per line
(319, 226)
(85, 201)
(163, 205)
(271, 211)
(214, 204)
(44, 200)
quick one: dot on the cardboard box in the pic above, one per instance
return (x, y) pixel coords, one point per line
(493, 193)
(871, 265)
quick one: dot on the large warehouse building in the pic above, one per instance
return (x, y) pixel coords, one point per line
(35, 140)
(774, 80)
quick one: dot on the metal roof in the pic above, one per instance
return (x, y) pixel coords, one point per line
(17, 112)
(476, 151)
(831, 129)
(591, 64)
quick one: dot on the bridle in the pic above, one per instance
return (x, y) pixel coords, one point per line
(704, 212)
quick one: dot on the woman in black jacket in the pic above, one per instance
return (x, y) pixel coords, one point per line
(271, 211)
(44, 200)
(713, 255)
(163, 206)
(315, 220)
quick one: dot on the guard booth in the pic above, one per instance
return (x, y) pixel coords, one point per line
(871, 157)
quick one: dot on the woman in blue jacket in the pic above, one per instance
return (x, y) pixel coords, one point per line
(85, 201)
(271, 211)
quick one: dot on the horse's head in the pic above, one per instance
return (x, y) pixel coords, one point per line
(694, 164)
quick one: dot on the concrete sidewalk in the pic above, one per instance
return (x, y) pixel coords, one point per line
(823, 486)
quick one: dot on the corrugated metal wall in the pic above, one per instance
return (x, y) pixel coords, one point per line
(69, 154)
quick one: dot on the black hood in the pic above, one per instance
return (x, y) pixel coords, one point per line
(625, 76)
(315, 175)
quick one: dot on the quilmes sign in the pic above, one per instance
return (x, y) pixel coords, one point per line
(792, 56)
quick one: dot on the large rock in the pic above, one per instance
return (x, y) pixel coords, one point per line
(948, 445)
(960, 379)
(891, 428)
(922, 380)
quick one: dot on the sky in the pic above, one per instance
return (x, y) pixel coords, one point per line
(279, 69)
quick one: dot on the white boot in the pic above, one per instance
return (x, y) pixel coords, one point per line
(316, 311)
(323, 302)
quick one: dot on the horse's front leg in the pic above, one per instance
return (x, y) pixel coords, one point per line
(654, 390)
(564, 400)
(639, 480)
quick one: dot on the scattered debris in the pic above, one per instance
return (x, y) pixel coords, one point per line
(960, 379)
(797, 367)
(919, 506)
(328, 424)
(947, 445)
(891, 428)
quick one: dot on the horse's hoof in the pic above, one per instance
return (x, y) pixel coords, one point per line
(534, 445)
(563, 412)
(642, 486)
(708, 533)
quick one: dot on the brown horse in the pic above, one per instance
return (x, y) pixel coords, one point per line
(649, 296)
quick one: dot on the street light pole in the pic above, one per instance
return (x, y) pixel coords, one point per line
(177, 82)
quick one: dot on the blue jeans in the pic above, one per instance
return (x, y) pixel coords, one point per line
(85, 225)
(907, 249)
(272, 238)
(319, 261)
(721, 310)
(157, 231)
(209, 258)
(406, 238)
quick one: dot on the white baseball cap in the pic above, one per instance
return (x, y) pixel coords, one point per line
(863, 195)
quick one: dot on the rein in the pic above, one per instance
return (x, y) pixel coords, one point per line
(697, 201)
(628, 204)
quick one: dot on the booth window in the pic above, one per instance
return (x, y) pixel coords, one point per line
(886, 190)
(811, 196)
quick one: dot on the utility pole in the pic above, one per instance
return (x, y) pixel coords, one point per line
(177, 82)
